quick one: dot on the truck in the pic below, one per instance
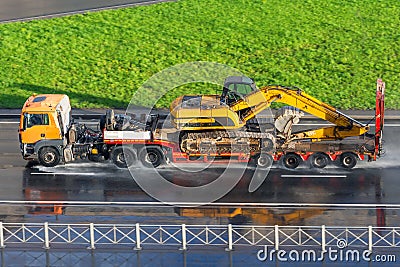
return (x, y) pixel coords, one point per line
(205, 128)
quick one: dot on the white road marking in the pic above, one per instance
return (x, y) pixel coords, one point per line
(312, 176)
(222, 204)
(64, 173)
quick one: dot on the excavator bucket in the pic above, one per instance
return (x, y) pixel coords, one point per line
(379, 116)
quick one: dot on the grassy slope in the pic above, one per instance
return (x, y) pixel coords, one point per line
(333, 49)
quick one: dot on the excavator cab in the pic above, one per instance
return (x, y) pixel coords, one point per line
(235, 88)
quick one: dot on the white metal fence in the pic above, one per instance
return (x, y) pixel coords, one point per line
(137, 236)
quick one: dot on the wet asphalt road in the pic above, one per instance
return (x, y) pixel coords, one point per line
(302, 196)
(11, 10)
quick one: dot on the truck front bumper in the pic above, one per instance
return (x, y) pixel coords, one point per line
(28, 151)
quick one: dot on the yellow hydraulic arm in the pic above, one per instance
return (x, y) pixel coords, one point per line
(257, 101)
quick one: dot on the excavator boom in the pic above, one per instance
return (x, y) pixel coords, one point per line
(257, 101)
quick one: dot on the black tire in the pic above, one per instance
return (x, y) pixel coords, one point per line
(319, 160)
(348, 160)
(123, 157)
(151, 156)
(291, 160)
(264, 161)
(49, 156)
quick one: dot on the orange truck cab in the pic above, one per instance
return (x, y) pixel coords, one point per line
(43, 125)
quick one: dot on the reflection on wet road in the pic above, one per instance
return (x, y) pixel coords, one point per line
(104, 182)
(85, 195)
(81, 190)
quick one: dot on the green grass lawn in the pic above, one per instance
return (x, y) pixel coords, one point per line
(333, 49)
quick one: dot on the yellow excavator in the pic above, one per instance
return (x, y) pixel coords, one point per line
(228, 120)
(257, 216)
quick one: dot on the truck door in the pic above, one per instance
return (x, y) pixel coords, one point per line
(35, 127)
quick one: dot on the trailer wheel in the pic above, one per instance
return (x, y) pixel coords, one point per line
(48, 156)
(123, 158)
(348, 160)
(291, 160)
(151, 156)
(319, 160)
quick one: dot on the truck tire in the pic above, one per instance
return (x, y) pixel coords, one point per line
(348, 160)
(49, 156)
(123, 157)
(151, 156)
(291, 160)
(319, 160)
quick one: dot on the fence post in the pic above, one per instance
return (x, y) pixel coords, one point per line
(370, 242)
(323, 241)
(276, 237)
(230, 238)
(137, 232)
(46, 235)
(91, 227)
(183, 237)
(1, 235)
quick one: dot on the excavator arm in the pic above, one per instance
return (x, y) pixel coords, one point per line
(344, 126)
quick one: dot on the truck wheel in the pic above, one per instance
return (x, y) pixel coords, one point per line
(291, 160)
(151, 157)
(264, 161)
(48, 156)
(348, 160)
(123, 158)
(319, 160)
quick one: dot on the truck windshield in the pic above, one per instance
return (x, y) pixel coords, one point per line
(35, 119)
